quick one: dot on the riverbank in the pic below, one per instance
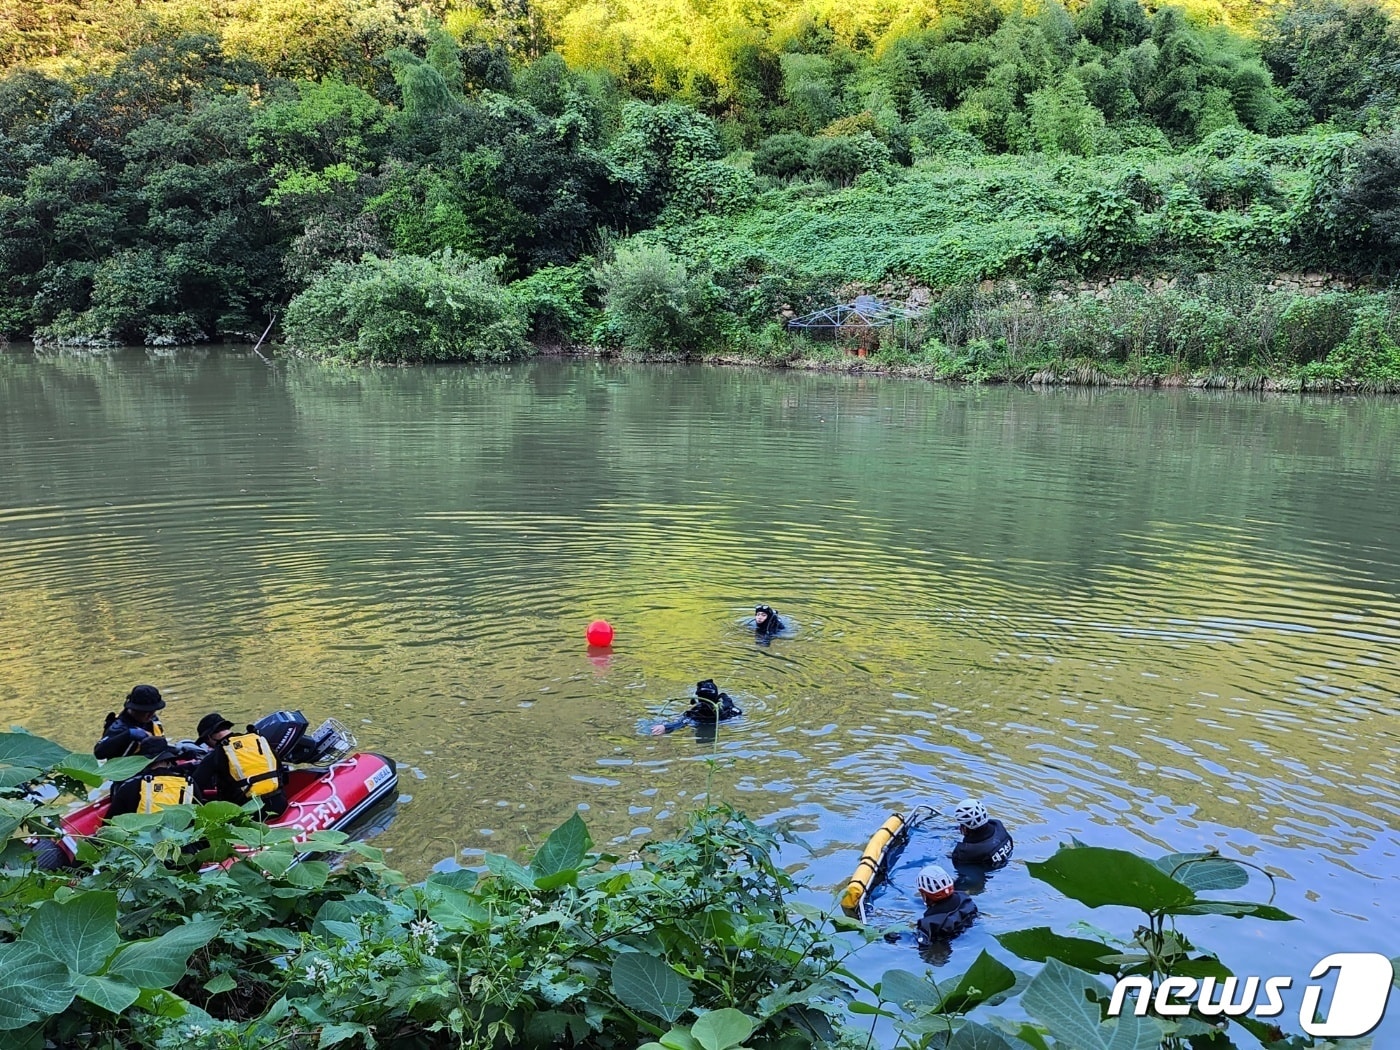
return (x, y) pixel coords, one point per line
(1317, 333)
(698, 940)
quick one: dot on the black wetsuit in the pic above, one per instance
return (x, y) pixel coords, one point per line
(768, 627)
(213, 780)
(706, 713)
(118, 739)
(989, 846)
(945, 919)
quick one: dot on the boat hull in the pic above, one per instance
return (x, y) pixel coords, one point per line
(318, 799)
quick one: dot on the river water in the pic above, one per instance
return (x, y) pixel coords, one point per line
(1155, 620)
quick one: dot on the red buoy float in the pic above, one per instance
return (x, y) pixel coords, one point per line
(600, 633)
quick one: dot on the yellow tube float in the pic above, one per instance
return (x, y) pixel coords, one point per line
(868, 870)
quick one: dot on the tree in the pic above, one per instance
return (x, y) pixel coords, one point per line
(1342, 59)
(651, 302)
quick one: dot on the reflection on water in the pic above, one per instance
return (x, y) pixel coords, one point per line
(1138, 618)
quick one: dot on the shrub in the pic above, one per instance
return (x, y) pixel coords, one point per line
(560, 304)
(783, 156)
(442, 307)
(842, 158)
(1371, 352)
(1312, 326)
(651, 302)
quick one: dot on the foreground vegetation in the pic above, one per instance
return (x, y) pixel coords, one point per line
(471, 180)
(696, 942)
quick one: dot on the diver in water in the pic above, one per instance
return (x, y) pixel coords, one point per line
(765, 621)
(709, 708)
(985, 840)
(137, 730)
(947, 911)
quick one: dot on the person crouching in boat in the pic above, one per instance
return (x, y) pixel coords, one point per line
(162, 783)
(241, 767)
(709, 707)
(137, 730)
(947, 911)
(985, 841)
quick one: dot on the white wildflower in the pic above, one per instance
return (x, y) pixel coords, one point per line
(318, 971)
(425, 930)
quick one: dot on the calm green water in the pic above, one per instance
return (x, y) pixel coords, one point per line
(1145, 619)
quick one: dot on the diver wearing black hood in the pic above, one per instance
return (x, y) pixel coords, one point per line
(765, 621)
(709, 707)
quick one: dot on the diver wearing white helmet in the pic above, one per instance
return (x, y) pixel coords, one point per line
(985, 840)
(947, 911)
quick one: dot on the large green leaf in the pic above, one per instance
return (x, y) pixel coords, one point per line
(985, 980)
(722, 1029)
(1040, 943)
(115, 769)
(83, 768)
(160, 961)
(308, 875)
(112, 995)
(973, 1036)
(36, 985)
(1203, 871)
(908, 990)
(679, 1039)
(646, 983)
(80, 932)
(29, 754)
(505, 868)
(1065, 1000)
(1096, 876)
(1237, 910)
(12, 814)
(462, 879)
(558, 860)
(333, 1034)
(454, 909)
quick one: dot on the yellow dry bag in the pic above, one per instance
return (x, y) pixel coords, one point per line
(253, 763)
(159, 791)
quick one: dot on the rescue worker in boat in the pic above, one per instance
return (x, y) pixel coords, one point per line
(162, 783)
(765, 622)
(709, 708)
(985, 840)
(247, 766)
(947, 911)
(213, 730)
(137, 730)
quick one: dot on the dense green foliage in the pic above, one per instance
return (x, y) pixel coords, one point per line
(698, 941)
(171, 172)
(413, 308)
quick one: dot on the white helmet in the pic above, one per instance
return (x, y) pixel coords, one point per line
(971, 813)
(934, 882)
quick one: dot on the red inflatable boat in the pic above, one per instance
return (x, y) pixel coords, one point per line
(337, 793)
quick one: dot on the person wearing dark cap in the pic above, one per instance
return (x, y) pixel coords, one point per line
(709, 707)
(159, 785)
(137, 730)
(765, 622)
(239, 766)
(213, 730)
